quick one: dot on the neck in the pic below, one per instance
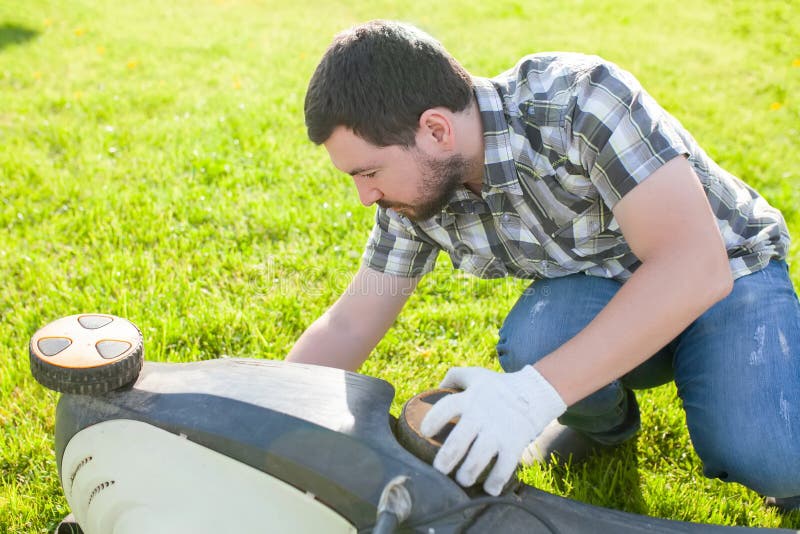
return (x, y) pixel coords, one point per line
(473, 148)
(469, 144)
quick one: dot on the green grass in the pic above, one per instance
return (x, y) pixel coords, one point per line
(154, 165)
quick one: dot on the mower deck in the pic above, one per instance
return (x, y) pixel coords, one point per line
(321, 433)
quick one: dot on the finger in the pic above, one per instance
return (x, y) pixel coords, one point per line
(459, 377)
(455, 446)
(441, 413)
(483, 449)
(504, 467)
(531, 454)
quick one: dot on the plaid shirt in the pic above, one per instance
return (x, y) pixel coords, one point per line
(566, 136)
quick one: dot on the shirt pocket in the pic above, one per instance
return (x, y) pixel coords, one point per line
(545, 123)
(525, 251)
(593, 235)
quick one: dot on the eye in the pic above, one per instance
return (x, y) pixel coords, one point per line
(369, 174)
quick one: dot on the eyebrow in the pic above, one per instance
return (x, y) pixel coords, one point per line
(361, 170)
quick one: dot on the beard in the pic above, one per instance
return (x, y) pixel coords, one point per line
(440, 180)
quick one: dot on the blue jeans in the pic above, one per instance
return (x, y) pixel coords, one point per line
(737, 371)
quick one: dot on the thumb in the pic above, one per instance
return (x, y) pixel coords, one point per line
(460, 377)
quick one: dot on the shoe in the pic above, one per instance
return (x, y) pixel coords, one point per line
(784, 504)
(561, 443)
(68, 526)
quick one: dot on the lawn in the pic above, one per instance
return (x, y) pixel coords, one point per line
(154, 165)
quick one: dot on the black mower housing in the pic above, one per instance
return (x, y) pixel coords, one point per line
(327, 432)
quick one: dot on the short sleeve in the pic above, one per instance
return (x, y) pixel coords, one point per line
(394, 248)
(621, 133)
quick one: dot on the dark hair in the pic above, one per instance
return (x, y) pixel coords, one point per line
(378, 78)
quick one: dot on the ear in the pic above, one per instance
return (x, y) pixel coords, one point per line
(436, 131)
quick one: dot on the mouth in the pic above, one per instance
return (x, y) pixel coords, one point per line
(398, 207)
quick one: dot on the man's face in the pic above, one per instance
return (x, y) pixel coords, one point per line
(408, 181)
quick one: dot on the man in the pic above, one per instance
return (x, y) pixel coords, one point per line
(653, 263)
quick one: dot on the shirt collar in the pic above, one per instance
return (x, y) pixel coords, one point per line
(499, 169)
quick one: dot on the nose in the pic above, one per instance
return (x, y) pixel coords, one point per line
(368, 194)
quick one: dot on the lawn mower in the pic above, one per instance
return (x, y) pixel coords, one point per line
(256, 446)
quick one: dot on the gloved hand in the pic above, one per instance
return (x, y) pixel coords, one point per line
(501, 413)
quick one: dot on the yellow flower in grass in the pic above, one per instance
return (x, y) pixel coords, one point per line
(132, 64)
(796, 62)
(79, 31)
(775, 106)
(48, 22)
(237, 83)
(37, 75)
(101, 50)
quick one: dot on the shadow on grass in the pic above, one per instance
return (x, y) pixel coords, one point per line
(790, 520)
(609, 479)
(14, 34)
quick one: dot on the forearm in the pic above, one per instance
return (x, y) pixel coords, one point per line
(344, 336)
(658, 302)
(333, 345)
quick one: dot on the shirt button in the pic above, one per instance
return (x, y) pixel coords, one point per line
(506, 217)
(461, 248)
(594, 226)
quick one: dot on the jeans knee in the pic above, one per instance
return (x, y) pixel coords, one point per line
(515, 350)
(769, 467)
(532, 330)
(548, 314)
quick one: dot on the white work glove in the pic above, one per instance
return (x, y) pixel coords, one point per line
(501, 413)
